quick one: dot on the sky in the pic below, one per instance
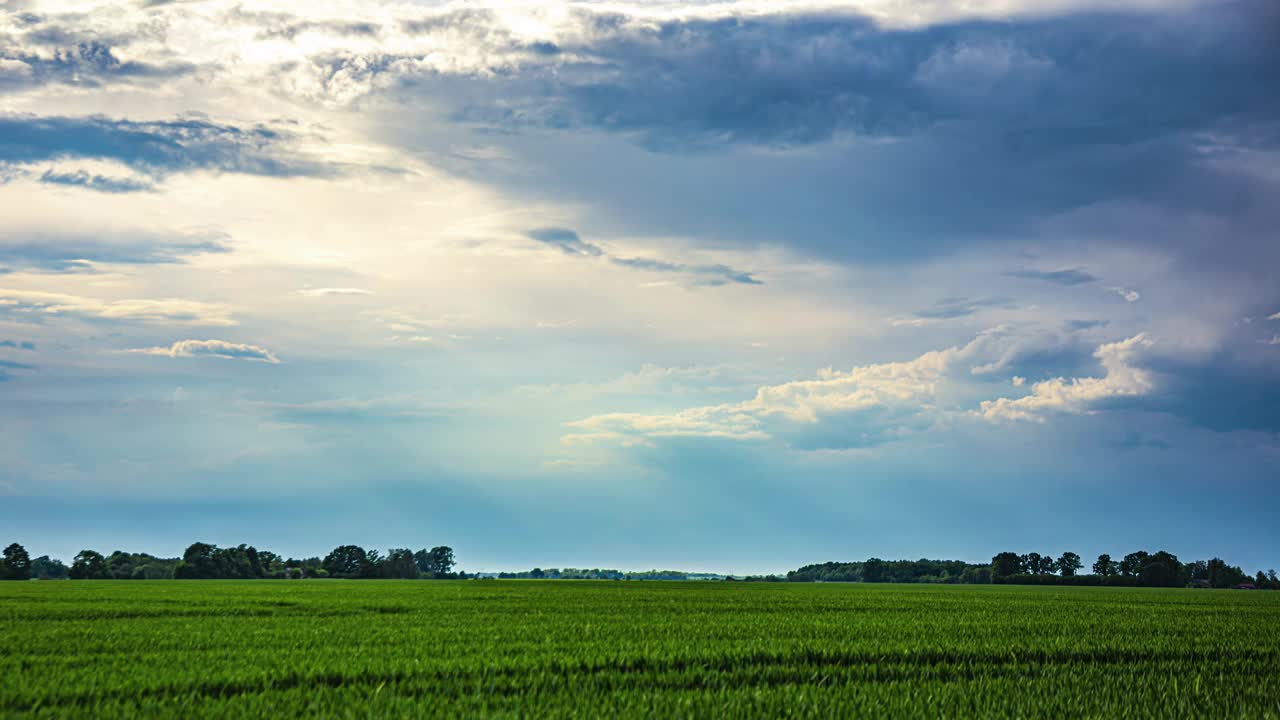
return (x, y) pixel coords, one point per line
(732, 286)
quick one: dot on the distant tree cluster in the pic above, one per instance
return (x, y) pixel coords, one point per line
(353, 561)
(202, 561)
(1139, 569)
(606, 574)
(564, 574)
(875, 570)
(91, 565)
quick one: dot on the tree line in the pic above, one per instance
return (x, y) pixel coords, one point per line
(205, 561)
(1137, 569)
(202, 561)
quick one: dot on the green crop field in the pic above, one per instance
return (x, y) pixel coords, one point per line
(600, 649)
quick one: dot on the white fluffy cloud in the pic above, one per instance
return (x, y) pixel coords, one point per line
(897, 396)
(1076, 395)
(212, 348)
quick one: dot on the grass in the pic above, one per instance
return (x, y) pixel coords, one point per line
(590, 649)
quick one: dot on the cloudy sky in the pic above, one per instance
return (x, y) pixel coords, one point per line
(730, 285)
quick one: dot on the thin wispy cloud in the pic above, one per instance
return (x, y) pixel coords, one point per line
(566, 240)
(339, 291)
(1065, 276)
(88, 252)
(211, 349)
(950, 308)
(570, 243)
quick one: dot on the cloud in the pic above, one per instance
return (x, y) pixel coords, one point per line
(56, 56)
(155, 148)
(806, 76)
(570, 243)
(879, 403)
(888, 395)
(212, 348)
(7, 365)
(1078, 325)
(35, 306)
(325, 292)
(1274, 317)
(1066, 276)
(393, 409)
(1077, 395)
(100, 183)
(566, 240)
(950, 308)
(823, 130)
(1133, 440)
(1130, 296)
(73, 252)
(15, 344)
(708, 274)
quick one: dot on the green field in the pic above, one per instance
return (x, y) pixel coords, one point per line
(592, 649)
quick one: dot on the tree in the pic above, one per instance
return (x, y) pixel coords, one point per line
(16, 564)
(200, 561)
(1035, 563)
(400, 563)
(348, 561)
(1105, 566)
(46, 568)
(1069, 563)
(1133, 562)
(373, 564)
(1048, 565)
(873, 570)
(1006, 564)
(436, 562)
(1158, 574)
(1222, 575)
(89, 565)
(1169, 561)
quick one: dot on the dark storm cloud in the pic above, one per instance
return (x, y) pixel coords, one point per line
(1226, 393)
(788, 79)
(931, 138)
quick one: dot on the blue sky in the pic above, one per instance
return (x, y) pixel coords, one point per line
(729, 286)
